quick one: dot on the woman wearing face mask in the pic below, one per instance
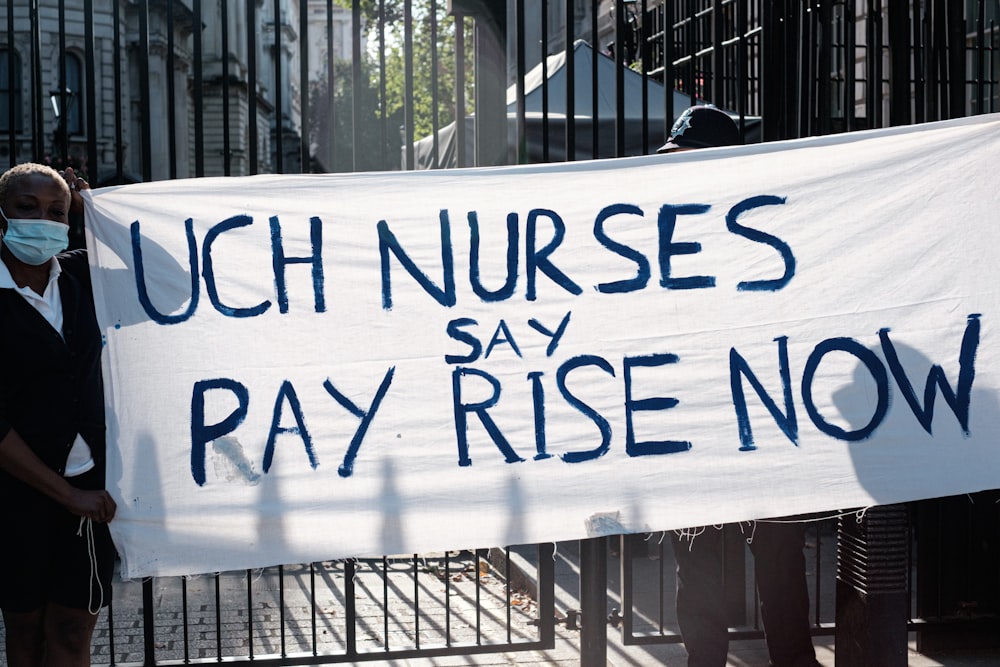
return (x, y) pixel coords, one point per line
(57, 556)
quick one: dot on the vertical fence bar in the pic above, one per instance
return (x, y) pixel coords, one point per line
(253, 139)
(226, 147)
(330, 112)
(661, 582)
(544, 22)
(939, 64)
(850, 12)
(994, 88)
(186, 637)
(646, 57)
(593, 601)
(197, 67)
(385, 600)
(742, 65)
(547, 593)
(994, 91)
(519, 108)
(356, 82)
(90, 88)
(899, 63)
(435, 112)
(111, 632)
(956, 60)
(870, 57)
(620, 52)
(772, 85)
(171, 96)
(626, 575)
(716, 59)
(668, 66)
(37, 125)
(383, 114)
(824, 67)
(691, 50)
(796, 70)
(218, 616)
(416, 601)
(409, 131)
(595, 115)
(146, 142)
(116, 76)
(447, 598)
(477, 554)
(757, 59)
(570, 152)
(148, 624)
(13, 79)
(331, 83)
(929, 62)
(460, 138)
(919, 72)
(281, 609)
(878, 70)
(350, 608)
(507, 591)
(305, 165)
(250, 613)
(35, 84)
(13, 87)
(808, 36)
(313, 619)
(279, 106)
(60, 147)
(356, 76)
(980, 55)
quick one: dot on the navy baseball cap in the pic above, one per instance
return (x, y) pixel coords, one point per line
(702, 127)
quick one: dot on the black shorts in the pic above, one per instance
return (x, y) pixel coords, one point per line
(44, 560)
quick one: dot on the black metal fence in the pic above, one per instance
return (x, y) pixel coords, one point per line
(393, 608)
(138, 90)
(150, 89)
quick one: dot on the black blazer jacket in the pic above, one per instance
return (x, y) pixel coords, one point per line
(50, 387)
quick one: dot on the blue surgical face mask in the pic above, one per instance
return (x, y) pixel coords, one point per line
(35, 242)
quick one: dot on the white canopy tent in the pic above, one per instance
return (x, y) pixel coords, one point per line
(551, 81)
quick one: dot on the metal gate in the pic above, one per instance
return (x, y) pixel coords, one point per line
(459, 603)
(149, 89)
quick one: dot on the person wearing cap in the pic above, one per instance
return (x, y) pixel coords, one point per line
(702, 126)
(779, 563)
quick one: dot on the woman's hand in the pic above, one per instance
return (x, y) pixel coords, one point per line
(95, 505)
(76, 184)
(18, 460)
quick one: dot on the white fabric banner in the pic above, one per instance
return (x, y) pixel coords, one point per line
(301, 368)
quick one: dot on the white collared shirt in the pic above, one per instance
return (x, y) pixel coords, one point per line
(49, 306)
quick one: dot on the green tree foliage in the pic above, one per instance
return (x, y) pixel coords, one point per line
(433, 51)
(332, 124)
(382, 88)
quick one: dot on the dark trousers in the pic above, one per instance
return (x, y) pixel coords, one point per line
(780, 570)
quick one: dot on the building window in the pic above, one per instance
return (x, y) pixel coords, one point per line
(74, 98)
(10, 88)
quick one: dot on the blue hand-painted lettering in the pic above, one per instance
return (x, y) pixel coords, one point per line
(959, 399)
(632, 405)
(225, 389)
